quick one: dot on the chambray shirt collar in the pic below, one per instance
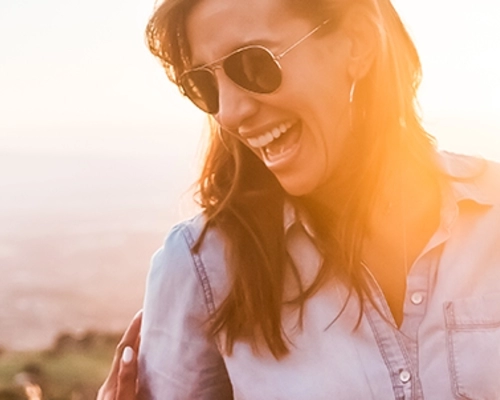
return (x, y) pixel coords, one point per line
(289, 215)
(469, 179)
(293, 216)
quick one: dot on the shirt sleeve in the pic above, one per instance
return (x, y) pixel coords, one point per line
(177, 361)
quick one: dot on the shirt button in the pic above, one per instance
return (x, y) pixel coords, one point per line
(417, 298)
(404, 376)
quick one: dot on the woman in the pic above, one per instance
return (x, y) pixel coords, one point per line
(337, 255)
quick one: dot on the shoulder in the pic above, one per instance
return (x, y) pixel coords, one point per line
(177, 249)
(474, 190)
(489, 181)
(473, 178)
(177, 268)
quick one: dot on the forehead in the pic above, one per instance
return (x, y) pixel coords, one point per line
(216, 27)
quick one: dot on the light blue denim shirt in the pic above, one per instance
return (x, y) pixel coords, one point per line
(447, 347)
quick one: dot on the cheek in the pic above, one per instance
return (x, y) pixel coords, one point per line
(331, 130)
(321, 94)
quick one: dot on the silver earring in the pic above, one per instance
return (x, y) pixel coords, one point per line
(351, 105)
(351, 92)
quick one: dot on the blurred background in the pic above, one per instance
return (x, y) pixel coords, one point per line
(98, 151)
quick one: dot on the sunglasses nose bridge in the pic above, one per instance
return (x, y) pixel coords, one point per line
(215, 67)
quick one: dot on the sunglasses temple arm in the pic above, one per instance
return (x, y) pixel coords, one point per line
(293, 46)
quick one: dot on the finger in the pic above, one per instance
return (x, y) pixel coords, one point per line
(106, 392)
(127, 377)
(131, 335)
(129, 339)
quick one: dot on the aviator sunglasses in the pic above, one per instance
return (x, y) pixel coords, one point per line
(253, 68)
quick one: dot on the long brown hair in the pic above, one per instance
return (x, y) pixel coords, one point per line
(243, 199)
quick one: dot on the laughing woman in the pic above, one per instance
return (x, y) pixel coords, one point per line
(337, 254)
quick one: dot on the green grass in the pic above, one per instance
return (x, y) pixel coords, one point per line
(72, 366)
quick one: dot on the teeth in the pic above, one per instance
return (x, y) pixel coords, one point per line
(254, 142)
(266, 138)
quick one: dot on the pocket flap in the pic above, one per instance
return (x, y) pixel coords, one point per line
(473, 312)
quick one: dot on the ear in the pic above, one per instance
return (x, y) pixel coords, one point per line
(363, 35)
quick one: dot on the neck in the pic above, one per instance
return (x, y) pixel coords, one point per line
(405, 206)
(408, 195)
(404, 216)
(403, 220)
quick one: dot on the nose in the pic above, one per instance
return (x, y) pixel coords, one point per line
(235, 104)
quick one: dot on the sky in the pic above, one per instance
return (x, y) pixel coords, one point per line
(76, 78)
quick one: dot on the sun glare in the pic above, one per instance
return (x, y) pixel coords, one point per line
(97, 148)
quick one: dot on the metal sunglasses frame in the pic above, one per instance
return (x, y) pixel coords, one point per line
(218, 64)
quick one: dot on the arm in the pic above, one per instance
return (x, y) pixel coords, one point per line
(176, 356)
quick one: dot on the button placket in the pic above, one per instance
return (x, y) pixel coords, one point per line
(404, 376)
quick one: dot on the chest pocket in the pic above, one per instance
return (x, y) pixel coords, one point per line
(473, 345)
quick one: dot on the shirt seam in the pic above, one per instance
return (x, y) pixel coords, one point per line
(201, 272)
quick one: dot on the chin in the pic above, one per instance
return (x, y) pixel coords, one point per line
(297, 188)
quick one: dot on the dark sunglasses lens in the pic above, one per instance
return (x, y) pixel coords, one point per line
(253, 69)
(201, 88)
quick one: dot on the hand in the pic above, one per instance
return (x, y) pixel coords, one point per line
(121, 383)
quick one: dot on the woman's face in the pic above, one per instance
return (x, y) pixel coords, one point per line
(308, 116)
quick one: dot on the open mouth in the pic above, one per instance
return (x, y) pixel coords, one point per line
(278, 142)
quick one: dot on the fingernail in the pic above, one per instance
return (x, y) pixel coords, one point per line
(137, 314)
(127, 354)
